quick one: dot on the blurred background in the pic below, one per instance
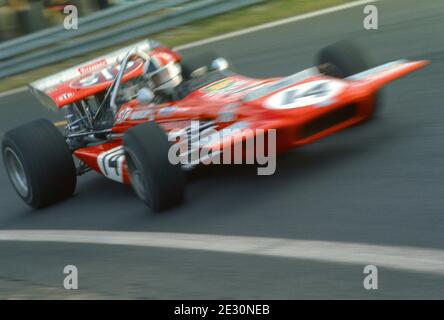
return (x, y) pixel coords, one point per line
(35, 41)
(20, 17)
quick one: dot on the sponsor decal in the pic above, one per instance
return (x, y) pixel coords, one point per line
(140, 114)
(224, 86)
(123, 114)
(107, 74)
(65, 96)
(92, 67)
(71, 74)
(128, 113)
(248, 88)
(167, 111)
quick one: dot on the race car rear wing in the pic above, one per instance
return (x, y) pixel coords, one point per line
(42, 88)
(383, 74)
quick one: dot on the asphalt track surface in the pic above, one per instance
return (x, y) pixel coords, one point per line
(379, 183)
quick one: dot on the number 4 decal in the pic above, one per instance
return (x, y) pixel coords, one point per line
(306, 94)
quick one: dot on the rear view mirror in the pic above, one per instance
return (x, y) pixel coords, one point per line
(220, 64)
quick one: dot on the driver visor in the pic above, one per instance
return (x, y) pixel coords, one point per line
(164, 75)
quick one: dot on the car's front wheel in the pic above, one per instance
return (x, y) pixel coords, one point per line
(155, 180)
(343, 59)
(39, 163)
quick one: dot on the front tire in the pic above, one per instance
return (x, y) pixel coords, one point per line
(155, 180)
(343, 59)
(39, 163)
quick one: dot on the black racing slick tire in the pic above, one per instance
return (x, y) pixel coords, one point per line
(155, 180)
(343, 59)
(204, 59)
(39, 163)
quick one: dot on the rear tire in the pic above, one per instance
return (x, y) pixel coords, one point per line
(154, 179)
(39, 163)
(343, 59)
(198, 61)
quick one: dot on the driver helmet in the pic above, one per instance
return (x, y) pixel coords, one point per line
(164, 70)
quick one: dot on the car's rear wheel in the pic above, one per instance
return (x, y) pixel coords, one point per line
(343, 59)
(193, 64)
(39, 163)
(155, 180)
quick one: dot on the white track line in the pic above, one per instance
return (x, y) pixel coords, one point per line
(277, 23)
(401, 258)
(249, 30)
(11, 92)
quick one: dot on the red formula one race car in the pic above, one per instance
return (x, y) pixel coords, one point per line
(143, 115)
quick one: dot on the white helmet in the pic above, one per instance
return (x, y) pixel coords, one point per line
(164, 71)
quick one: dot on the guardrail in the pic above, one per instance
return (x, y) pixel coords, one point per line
(105, 29)
(100, 20)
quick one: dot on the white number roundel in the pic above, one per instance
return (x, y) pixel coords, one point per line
(306, 94)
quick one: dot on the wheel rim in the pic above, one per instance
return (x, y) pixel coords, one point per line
(138, 180)
(16, 172)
